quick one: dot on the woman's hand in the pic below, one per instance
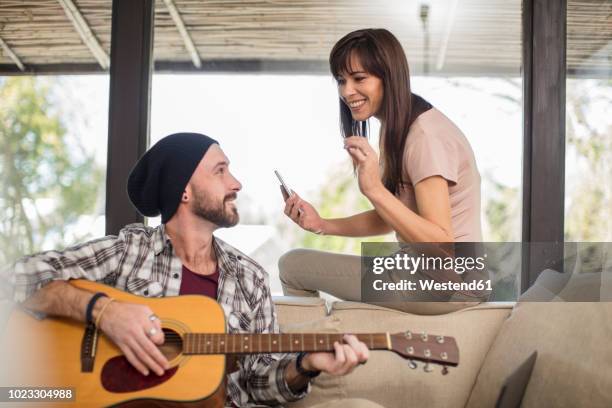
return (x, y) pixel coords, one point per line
(303, 214)
(365, 160)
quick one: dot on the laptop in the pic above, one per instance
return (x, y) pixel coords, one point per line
(513, 389)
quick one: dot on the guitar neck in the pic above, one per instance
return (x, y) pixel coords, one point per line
(221, 343)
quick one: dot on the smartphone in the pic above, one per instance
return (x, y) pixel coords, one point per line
(283, 184)
(286, 188)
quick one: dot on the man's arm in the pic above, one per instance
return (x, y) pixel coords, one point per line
(124, 323)
(40, 283)
(58, 298)
(294, 379)
(342, 361)
(273, 378)
(94, 260)
(263, 378)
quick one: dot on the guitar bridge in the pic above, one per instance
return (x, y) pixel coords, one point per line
(88, 348)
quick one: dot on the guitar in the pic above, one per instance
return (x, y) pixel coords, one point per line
(48, 353)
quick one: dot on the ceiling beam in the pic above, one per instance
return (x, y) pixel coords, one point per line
(88, 37)
(11, 54)
(276, 67)
(180, 25)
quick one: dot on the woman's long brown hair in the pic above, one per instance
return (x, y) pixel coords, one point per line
(381, 55)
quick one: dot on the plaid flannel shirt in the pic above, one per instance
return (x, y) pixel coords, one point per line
(141, 261)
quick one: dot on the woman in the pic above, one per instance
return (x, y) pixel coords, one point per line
(425, 187)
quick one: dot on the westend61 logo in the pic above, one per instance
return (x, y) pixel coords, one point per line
(412, 264)
(393, 272)
(396, 272)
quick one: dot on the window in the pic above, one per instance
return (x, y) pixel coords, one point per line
(284, 115)
(52, 155)
(588, 168)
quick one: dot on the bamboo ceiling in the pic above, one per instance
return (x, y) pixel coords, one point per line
(464, 36)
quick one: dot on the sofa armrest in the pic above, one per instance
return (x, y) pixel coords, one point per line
(298, 301)
(345, 305)
(387, 379)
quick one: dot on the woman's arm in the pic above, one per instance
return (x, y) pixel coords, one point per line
(432, 224)
(364, 224)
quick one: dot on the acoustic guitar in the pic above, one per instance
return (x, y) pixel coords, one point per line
(56, 354)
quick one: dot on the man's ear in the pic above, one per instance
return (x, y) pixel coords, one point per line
(185, 196)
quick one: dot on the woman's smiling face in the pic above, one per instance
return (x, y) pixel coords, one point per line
(360, 91)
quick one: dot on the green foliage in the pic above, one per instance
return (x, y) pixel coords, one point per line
(589, 154)
(589, 132)
(48, 179)
(588, 191)
(502, 212)
(340, 197)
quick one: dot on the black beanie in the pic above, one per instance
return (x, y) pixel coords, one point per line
(158, 180)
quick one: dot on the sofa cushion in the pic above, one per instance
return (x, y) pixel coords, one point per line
(552, 286)
(292, 310)
(574, 362)
(348, 403)
(387, 379)
(325, 387)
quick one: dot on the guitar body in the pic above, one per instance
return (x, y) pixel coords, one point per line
(47, 353)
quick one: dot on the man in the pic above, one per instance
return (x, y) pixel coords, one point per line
(185, 177)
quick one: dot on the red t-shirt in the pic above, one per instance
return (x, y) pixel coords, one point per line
(196, 284)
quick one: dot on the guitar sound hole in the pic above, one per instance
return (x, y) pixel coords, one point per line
(118, 375)
(173, 344)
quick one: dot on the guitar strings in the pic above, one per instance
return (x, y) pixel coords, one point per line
(171, 334)
(174, 338)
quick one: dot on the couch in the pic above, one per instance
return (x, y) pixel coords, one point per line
(573, 341)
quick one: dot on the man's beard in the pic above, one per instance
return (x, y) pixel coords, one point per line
(215, 212)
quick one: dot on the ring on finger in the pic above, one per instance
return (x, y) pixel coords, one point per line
(153, 317)
(152, 332)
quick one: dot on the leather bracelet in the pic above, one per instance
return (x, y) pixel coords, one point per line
(301, 370)
(90, 306)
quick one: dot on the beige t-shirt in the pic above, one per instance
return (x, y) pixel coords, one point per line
(436, 147)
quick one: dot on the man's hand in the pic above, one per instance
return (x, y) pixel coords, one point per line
(344, 360)
(137, 332)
